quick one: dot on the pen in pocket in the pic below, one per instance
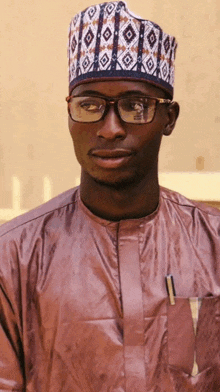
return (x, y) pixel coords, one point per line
(170, 288)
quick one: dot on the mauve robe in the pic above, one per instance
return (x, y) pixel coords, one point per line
(84, 306)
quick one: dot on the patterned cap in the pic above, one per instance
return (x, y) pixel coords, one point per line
(107, 41)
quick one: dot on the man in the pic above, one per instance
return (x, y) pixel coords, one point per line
(87, 296)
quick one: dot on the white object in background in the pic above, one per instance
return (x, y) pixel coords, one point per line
(7, 214)
(204, 186)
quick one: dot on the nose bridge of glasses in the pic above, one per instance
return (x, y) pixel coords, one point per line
(112, 104)
(112, 127)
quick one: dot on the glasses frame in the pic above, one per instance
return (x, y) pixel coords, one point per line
(114, 102)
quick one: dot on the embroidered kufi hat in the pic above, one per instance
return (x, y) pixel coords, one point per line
(107, 41)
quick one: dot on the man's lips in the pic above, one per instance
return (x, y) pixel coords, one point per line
(111, 159)
(116, 153)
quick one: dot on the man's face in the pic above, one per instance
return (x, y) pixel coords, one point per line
(111, 151)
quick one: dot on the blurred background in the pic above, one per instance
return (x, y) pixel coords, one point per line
(37, 161)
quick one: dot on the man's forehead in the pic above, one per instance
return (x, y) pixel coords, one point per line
(117, 88)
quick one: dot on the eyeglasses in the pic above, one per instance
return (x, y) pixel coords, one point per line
(132, 109)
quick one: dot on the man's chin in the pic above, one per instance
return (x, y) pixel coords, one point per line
(116, 183)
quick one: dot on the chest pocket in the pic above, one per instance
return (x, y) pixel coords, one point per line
(207, 340)
(194, 335)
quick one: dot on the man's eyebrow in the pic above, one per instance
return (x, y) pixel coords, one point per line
(124, 93)
(88, 92)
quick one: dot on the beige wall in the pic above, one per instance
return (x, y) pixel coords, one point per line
(37, 159)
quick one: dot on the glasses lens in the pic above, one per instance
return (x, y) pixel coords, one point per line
(137, 110)
(86, 109)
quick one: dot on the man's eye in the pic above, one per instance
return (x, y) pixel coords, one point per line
(138, 107)
(135, 106)
(90, 106)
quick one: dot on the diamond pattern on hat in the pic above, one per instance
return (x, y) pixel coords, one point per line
(166, 44)
(89, 37)
(74, 43)
(110, 8)
(72, 69)
(86, 63)
(129, 34)
(127, 60)
(164, 70)
(152, 39)
(104, 60)
(107, 34)
(150, 64)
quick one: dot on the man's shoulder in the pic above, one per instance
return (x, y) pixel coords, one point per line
(188, 205)
(61, 201)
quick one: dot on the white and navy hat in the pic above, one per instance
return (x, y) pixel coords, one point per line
(107, 41)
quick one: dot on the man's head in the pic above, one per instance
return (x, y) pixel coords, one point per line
(121, 76)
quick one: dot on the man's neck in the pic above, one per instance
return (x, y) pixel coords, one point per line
(117, 203)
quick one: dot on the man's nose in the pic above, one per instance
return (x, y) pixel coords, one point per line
(111, 127)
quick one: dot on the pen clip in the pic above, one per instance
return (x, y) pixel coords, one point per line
(170, 288)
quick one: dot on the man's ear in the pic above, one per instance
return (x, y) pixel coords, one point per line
(173, 113)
